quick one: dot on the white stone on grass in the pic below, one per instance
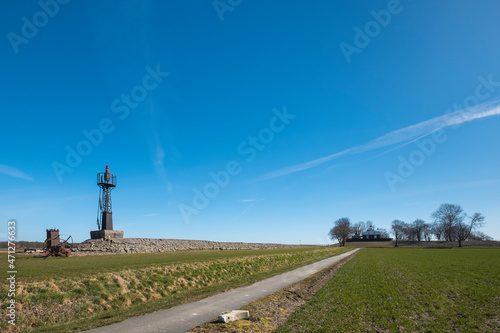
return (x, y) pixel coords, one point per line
(234, 315)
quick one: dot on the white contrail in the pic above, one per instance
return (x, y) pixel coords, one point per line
(406, 135)
(158, 153)
(13, 172)
(248, 200)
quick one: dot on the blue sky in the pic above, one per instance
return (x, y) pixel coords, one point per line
(285, 116)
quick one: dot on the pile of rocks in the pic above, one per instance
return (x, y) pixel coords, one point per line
(147, 245)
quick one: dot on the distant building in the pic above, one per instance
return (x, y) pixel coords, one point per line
(369, 234)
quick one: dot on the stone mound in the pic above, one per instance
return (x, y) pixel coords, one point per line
(148, 245)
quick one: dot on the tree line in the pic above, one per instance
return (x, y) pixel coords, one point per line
(24, 244)
(450, 223)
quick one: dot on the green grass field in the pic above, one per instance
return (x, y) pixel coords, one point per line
(76, 293)
(408, 290)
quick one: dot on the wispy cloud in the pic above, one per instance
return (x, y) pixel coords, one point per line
(244, 211)
(152, 214)
(159, 163)
(13, 172)
(247, 200)
(401, 136)
(383, 198)
(158, 153)
(250, 202)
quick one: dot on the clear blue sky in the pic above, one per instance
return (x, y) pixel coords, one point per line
(313, 107)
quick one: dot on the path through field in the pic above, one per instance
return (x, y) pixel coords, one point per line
(184, 317)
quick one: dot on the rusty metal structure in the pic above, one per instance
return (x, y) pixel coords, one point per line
(106, 182)
(54, 246)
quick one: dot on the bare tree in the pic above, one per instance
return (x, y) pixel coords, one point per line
(463, 230)
(418, 227)
(397, 229)
(448, 216)
(427, 232)
(334, 234)
(341, 230)
(383, 233)
(479, 236)
(357, 228)
(408, 232)
(437, 230)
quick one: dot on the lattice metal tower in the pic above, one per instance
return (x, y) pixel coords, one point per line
(106, 182)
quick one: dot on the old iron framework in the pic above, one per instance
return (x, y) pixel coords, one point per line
(54, 246)
(106, 182)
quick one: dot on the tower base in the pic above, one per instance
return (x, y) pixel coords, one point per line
(106, 234)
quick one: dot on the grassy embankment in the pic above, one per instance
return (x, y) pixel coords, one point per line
(408, 290)
(76, 293)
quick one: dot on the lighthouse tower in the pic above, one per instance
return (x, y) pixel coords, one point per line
(106, 182)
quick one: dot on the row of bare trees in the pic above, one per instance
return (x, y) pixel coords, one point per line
(450, 224)
(418, 230)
